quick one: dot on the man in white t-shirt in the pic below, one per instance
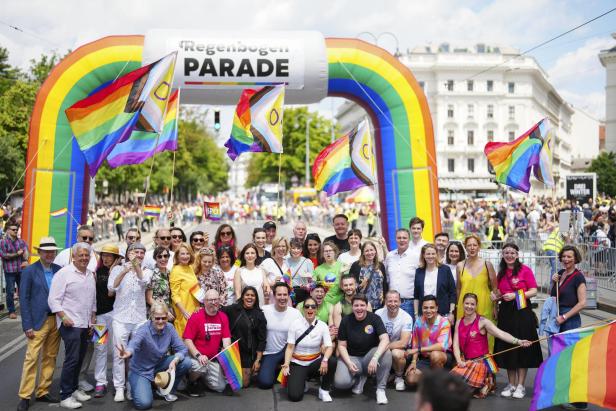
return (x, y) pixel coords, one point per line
(85, 234)
(162, 237)
(279, 318)
(400, 265)
(399, 326)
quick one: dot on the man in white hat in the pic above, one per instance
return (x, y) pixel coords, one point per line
(39, 325)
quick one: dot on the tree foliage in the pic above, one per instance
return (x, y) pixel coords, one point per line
(605, 167)
(263, 167)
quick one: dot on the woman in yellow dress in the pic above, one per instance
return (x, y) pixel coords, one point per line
(185, 288)
(477, 276)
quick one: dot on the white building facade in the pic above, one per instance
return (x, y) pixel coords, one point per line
(608, 59)
(479, 94)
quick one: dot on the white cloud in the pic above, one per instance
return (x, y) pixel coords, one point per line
(572, 68)
(593, 103)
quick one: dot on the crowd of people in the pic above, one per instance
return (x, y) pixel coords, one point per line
(342, 309)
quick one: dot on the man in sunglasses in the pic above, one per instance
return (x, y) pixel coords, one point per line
(85, 234)
(204, 333)
(162, 238)
(14, 253)
(133, 235)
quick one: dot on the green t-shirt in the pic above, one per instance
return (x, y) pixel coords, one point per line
(322, 313)
(329, 275)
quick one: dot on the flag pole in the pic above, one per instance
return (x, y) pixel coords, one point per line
(172, 177)
(223, 350)
(278, 190)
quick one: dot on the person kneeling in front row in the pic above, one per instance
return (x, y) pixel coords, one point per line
(148, 350)
(362, 344)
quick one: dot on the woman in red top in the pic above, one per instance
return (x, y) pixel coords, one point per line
(312, 249)
(516, 285)
(470, 342)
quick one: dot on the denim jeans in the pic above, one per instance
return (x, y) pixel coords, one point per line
(11, 279)
(553, 261)
(406, 304)
(75, 345)
(267, 373)
(141, 387)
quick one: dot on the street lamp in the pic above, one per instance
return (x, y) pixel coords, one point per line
(389, 33)
(308, 151)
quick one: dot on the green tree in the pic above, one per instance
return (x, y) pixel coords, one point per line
(8, 74)
(605, 167)
(263, 167)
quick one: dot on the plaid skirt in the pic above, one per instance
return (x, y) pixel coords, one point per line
(474, 374)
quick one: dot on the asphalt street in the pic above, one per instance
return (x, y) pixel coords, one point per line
(12, 351)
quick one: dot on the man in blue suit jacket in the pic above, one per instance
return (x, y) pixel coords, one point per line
(39, 324)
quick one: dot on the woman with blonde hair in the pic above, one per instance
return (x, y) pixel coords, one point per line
(434, 278)
(477, 276)
(369, 272)
(186, 292)
(209, 275)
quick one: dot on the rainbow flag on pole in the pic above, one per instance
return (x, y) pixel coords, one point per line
(257, 124)
(152, 210)
(135, 101)
(347, 163)
(513, 162)
(142, 145)
(212, 210)
(582, 372)
(231, 364)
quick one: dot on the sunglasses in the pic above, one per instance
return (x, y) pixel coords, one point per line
(160, 318)
(198, 240)
(310, 306)
(226, 233)
(131, 237)
(165, 238)
(162, 256)
(176, 236)
(84, 238)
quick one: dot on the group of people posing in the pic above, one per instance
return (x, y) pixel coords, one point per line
(343, 310)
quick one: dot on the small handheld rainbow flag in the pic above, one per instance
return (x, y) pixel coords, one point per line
(211, 211)
(100, 334)
(520, 299)
(152, 210)
(197, 292)
(282, 379)
(491, 364)
(231, 364)
(59, 213)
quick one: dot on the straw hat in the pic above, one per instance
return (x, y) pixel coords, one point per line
(164, 380)
(47, 244)
(110, 249)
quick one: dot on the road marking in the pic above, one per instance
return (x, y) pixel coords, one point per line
(17, 340)
(13, 350)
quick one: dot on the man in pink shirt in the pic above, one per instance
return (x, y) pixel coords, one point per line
(72, 297)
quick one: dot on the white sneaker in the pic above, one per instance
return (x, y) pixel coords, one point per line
(358, 387)
(70, 403)
(509, 389)
(119, 395)
(324, 396)
(81, 396)
(85, 386)
(381, 398)
(519, 392)
(400, 386)
(170, 397)
(305, 387)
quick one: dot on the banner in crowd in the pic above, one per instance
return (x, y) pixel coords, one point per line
(581, 187)
(211, 211)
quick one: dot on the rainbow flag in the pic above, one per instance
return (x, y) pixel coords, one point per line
(211, 210)
(197, 292)
(347, 163)
(100, 334)
(512, 162)
(109, 116)
(520, 299)
(59, 213)
(231, 365)
(257, 124)
(142, 145)
(582, 372)
(562, 340)
(152, 210)
(491, 364)
(282, 379)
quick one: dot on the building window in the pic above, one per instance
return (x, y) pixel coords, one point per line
(469, 85)
(450, 111)
(490, 85)
(470, 137)
(471, 110)
(450, 138)
(511, 112)
(511, 135)
(471, 165)
(490, 135)
(449, 85)
(490, 111)
(451, 165)
(422, 84)
(511, 87)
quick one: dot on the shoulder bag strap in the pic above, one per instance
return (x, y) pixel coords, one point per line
(308, 330)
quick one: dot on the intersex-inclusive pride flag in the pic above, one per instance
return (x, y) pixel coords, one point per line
(231, 364)
(581, 372)
(100, 334)
(347, 163)
(512, 162)
(133, 102)
(257, 124)
(211, 211)
(142, 144)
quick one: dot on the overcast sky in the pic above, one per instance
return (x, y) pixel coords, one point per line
(571, 62)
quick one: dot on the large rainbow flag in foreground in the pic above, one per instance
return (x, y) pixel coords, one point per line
(257, 124)
(582, 372)
(347, 163)
(512, 162)
(142, 144)
(231, 364)
(135, 101)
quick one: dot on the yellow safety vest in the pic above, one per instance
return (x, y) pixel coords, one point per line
(554, 242)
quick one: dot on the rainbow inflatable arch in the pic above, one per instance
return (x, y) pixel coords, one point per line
(56, 193)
